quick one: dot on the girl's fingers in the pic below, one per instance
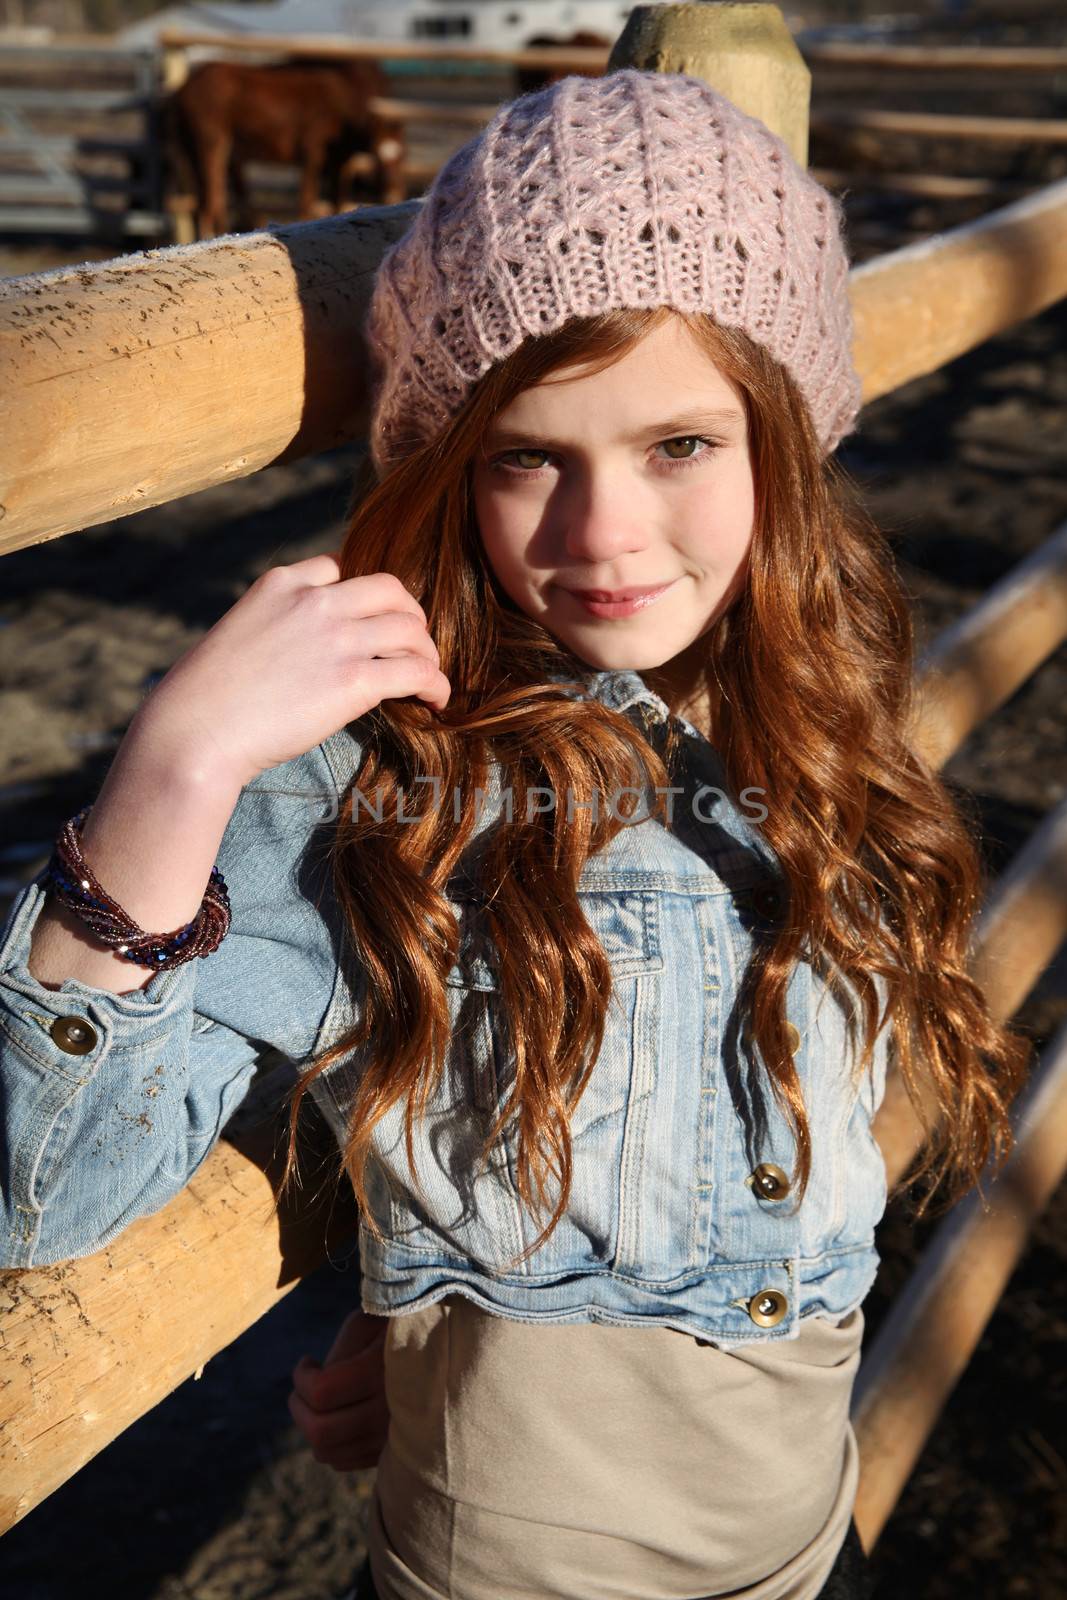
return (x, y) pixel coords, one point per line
(396, 633)
(362, 1427)
(363, 595)
(396, 677)
(367, 594)
(344, 1390)
(320, 569)
(340, 1406)
(359, 1329)
(344, 1382)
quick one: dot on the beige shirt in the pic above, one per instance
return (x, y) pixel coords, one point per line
(582, 1461)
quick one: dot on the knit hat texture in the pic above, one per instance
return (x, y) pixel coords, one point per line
(633, 189)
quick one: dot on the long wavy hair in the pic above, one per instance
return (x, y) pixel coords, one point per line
(809, 673)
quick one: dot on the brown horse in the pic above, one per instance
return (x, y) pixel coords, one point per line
(529, 78)
(316, 115)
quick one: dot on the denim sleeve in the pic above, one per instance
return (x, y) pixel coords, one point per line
(89, 1142)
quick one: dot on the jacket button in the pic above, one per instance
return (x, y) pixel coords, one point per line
(770, 1182)
(768, 1307)
(75, 1035)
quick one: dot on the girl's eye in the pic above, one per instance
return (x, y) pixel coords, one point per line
(688, 439)
(522, 468)
(523, 465)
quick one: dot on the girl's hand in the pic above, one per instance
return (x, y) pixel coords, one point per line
(340, 1406)
(301, 653)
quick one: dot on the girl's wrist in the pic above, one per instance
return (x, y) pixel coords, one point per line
(150, 840)
(165, 751)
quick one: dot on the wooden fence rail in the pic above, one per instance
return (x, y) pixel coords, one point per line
(904, 58)
(919, 1354)
(940, 58)
(158, 333)
(176, 43)
(947, 125)
(972, 667)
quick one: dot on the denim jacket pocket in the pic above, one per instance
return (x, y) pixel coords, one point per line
(626, 920)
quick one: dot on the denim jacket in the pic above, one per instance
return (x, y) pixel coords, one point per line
(681, 1212)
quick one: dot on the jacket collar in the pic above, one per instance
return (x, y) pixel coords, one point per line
(620, 688)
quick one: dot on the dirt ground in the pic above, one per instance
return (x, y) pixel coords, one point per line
(212, 1496)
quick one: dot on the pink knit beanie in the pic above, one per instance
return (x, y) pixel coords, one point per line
(634, 189)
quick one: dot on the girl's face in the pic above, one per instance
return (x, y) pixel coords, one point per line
(634, 478)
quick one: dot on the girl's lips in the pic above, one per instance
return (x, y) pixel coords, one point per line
(619, 608)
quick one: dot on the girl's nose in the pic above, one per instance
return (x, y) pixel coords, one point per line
(602, 520)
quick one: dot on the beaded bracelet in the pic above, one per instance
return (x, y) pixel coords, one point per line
(74, 886)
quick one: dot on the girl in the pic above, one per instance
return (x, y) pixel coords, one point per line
(580, 858)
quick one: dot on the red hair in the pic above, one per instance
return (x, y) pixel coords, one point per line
(810, 677)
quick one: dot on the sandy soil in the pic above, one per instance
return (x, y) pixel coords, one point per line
(212, 1496)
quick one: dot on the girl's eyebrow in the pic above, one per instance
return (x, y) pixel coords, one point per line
(691, 422)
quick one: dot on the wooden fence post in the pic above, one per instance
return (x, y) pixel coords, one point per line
(175, 67)
(174, 72)
(745, 51)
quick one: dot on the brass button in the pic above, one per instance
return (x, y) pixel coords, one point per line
(770, 1182)
(768, 1307)
(75, 1035)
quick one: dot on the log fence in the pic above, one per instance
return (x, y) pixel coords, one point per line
(54, 177)
(288, 305)
(52, 180)
(180, 47)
